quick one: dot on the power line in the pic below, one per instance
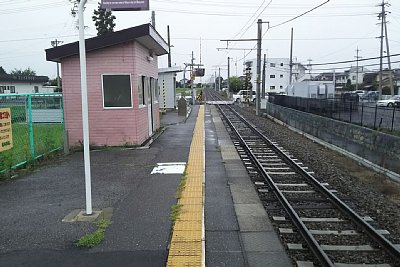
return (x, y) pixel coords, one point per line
(300, 15)
(351, 61)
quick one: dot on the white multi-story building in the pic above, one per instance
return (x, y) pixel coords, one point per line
(277, 72)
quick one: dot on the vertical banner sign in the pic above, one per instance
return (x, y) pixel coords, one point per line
(127, 5)
(5, 129)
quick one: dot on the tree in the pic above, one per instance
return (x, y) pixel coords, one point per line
(235, 84)
(26, 72)
(104, 21)
(2, 71)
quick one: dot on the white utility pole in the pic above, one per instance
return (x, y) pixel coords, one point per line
(85, 117)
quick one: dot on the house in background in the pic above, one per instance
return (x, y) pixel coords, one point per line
(21, 84)
(122, 86)
(167, 84)
(342, 78)
(277, 74)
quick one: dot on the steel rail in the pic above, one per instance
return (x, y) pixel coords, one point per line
(305, 233)
(389, 247)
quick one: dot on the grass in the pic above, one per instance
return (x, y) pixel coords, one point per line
(181, 186)
(175, 211)
(95, 238)
(47, 137)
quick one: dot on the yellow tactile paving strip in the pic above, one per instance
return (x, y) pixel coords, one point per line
(188, 234)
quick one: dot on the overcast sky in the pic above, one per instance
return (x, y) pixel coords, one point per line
(330, 33)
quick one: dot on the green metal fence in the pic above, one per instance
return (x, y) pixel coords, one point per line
(37, 127)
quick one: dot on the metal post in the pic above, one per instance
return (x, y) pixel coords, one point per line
(85, 117)
(259, 33)
(376, 113)
(362, 114)
(30, 124)
(394, 111)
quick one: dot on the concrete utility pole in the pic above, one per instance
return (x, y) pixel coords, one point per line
(388, 57)
(357, 57)
(219, 79)
(229, 75)
(153, 18)
(215, 80)
(291, 58)
(169, 48)
(380, 16)
(55, 43)
(259, 33)
(263, 76)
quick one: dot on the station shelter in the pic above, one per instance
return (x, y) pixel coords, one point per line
(122, 82)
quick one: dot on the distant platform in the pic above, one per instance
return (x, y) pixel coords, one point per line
(230, 102)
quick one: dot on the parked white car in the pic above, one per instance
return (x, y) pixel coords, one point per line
(391, 102)
(244, 96)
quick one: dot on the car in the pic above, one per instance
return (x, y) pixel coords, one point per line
(360, 93)
(370, 96)
(244, 96)
(391, 102)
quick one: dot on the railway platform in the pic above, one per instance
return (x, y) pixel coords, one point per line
(218, 218)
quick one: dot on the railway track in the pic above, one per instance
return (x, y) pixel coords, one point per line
(317, 224)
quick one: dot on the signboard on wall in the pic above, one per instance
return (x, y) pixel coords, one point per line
(127, 5)
(5, 129)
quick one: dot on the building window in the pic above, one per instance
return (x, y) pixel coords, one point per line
(117, 91)
(272, 76)
(141, 90)
(2, 88)
(154, 89)
(281, 76)
(272, 65)
(353, 78)
(281, 87)
(272, 87)
(36, 89)
(12, 89)
(281, 64)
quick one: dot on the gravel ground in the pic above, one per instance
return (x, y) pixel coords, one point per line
(372, 193)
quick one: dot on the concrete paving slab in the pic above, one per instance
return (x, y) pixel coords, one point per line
(222, 259)
(250, 210)
(243, 194)
(223, 241)
(254, 223)
(268, 259)
(261, 242)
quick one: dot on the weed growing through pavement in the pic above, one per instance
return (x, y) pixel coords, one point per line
(95, 238)
(175, 211)
(182, 185)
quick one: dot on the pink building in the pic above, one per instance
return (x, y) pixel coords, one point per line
(123, 90)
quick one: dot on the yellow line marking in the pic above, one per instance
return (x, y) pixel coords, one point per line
(186, 245)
